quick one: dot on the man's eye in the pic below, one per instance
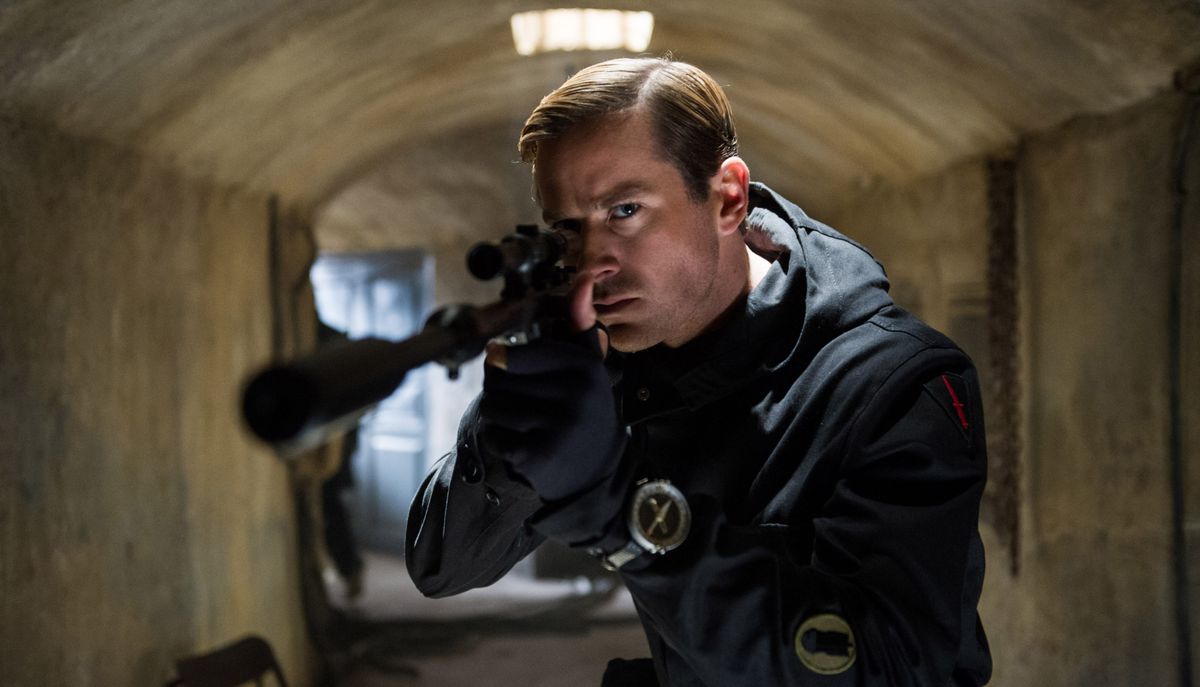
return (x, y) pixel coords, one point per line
(625, 210)
(570, 225)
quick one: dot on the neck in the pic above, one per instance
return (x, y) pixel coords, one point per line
(758, 267)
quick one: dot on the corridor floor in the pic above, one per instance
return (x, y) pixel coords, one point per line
(519, 631)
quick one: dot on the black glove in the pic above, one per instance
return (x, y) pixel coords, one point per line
(552, 415)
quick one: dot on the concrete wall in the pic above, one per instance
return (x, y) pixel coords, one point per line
(1189, 377)
(1093, 602)
(137, 522)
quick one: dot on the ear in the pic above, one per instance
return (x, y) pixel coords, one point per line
(732, 182)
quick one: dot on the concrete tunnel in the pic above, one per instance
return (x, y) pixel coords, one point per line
(1028, 171)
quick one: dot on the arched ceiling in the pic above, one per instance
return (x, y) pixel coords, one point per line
(309, 99)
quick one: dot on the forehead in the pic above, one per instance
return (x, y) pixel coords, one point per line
(594, 159)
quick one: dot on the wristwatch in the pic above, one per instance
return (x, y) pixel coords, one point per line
(659, 520)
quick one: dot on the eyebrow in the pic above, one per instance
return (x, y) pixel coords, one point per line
(622, 190)
(628, 188)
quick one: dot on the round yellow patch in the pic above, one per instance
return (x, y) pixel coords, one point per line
(825, 644)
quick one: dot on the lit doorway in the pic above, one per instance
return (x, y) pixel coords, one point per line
(384, 295)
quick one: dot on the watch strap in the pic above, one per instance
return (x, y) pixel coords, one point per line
(623, 555)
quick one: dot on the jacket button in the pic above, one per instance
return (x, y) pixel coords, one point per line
(471, 473)
(492, 497)
(643, 394)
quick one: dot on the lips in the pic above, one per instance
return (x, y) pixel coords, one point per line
(612, 305)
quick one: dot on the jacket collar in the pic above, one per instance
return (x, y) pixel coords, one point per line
(661, 379)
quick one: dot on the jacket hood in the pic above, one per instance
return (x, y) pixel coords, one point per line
(820, 284)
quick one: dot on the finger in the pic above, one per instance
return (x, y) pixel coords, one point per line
(581, 309)
(497, 355)
(602, 338)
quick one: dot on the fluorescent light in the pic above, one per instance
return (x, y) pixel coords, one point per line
(580, 29)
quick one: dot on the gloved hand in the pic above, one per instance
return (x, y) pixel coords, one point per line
(551, 414)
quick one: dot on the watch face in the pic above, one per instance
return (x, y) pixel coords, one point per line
(659, 517)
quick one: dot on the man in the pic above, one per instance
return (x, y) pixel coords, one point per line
(784, 466)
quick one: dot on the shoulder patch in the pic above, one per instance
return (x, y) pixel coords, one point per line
(952, 394)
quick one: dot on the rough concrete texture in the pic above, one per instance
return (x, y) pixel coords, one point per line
(137, 522)
(931, 237)
(1094, 602)
(301, 97)
(441, 195)
(1096, 201)
(1189, 310)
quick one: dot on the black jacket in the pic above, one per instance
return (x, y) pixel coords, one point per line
(831, 448)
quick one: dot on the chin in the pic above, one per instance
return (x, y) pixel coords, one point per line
(628, 338)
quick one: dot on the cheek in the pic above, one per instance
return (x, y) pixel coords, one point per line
(694, 254)
(680, 259)
(678, 276)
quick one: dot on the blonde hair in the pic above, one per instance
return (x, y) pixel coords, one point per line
(689, 113)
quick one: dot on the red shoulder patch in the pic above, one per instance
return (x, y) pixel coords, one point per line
(953, 394)
(954, 401)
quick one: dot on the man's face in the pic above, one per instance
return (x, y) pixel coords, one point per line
(650, 247)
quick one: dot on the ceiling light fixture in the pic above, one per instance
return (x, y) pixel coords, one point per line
(581, 29)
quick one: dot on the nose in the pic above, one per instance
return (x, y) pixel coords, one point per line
(597, 254)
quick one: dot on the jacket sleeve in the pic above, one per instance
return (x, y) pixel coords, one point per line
(896, 560)
(467, 525)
